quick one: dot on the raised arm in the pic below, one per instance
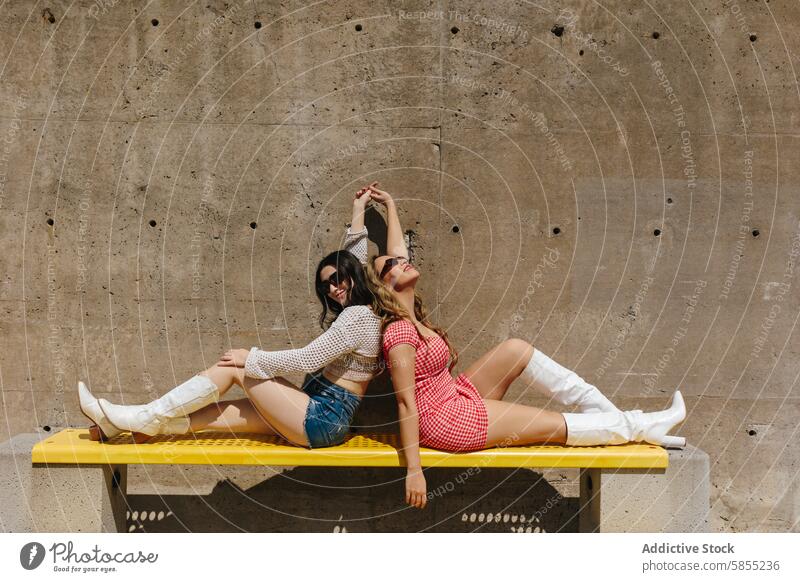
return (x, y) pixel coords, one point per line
(395, 243)
(360, 201)
(339, 339)
(401, 363)
(355, 240)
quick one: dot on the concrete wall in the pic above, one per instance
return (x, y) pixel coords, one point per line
(535, 149)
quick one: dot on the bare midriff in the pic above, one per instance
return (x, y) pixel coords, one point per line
(357, 388)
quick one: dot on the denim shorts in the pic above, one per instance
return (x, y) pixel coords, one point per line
(329, 412)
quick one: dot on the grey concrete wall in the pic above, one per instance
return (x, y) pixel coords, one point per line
(535, 149)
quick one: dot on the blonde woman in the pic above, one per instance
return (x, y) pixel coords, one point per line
(467, 413)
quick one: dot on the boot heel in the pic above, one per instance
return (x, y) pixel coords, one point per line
(96, 434)
(140, 437)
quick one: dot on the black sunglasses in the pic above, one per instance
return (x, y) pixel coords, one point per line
(391, 263)
(336, 279)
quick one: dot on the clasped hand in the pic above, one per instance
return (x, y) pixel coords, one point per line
(372, 193)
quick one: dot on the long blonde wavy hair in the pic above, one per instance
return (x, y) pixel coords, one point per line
(389, 309)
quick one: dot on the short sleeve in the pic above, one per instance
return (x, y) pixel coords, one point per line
(401, 331)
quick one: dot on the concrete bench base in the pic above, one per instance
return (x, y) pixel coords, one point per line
(58, 498)
(675, 499)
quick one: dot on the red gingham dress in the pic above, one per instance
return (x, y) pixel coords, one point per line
(452, 414)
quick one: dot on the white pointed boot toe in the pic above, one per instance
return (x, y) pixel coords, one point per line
(673, 442)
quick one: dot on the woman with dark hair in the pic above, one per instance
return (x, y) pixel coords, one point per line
(340, 364)
(467, 413)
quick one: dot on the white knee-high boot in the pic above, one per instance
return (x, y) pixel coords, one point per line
(616, 428)
(165, 415)
(565, 386)
(91, 410)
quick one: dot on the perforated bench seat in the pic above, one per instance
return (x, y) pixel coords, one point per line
(617, 483)
(73, 446)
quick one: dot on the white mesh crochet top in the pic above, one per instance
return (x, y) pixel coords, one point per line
(349, 348)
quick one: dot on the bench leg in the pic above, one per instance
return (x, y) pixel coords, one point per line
(675, 499)
(79, 498)
(589, 508)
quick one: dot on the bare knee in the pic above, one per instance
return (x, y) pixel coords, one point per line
(519, 350)
(224, 376)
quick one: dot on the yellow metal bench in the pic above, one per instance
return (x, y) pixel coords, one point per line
(73, 447)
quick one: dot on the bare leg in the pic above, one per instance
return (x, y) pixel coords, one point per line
(516, 424)
(236, 416)
(280, 403)
(493, 372)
